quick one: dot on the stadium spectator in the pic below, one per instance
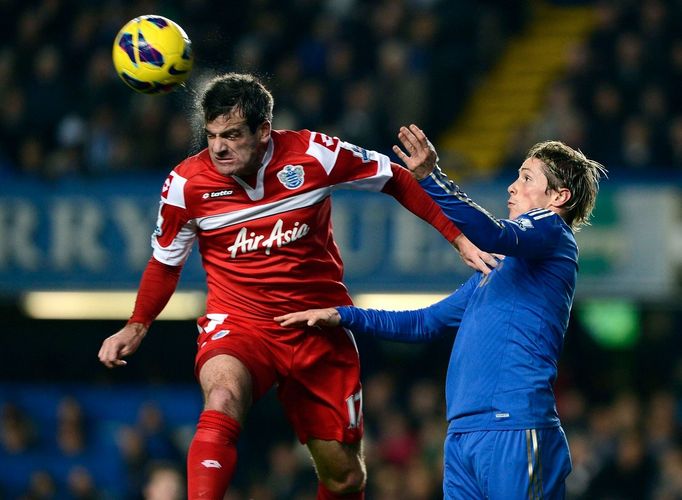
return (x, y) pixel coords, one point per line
(41, 487)
(17, 434)
(503, 424)
(164, 482)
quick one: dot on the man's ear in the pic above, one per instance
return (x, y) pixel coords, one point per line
(265, 129)
(561, 197)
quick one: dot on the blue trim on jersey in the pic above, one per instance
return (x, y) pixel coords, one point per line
(509, 325)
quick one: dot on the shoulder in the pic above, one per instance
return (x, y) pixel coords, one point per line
(296, 139)
(549, 223)
(539, 218)
(180, 180)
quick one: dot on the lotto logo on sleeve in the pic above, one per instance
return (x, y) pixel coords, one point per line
(330, 143)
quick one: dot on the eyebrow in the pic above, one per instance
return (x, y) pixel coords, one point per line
(228, 130)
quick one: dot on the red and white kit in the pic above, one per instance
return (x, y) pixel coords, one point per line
(267, 248)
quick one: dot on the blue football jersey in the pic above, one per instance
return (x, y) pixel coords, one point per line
(509, 325)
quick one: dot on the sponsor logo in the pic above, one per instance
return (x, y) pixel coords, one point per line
(166, 185)
(217, 194)
(358, 151)
(326, 141)
(523, 223)
(291, 176)
(250, 242)
(211, 464)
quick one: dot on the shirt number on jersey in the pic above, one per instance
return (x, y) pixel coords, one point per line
(354, 406)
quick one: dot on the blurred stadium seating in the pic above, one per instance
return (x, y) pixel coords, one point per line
(70, 131)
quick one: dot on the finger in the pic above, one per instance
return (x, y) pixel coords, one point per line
(481, 266)
(114, 363)
(489, 260)
(409, 139)
(419, 135)
(400, 153)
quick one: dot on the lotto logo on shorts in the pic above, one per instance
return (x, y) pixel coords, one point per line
(211, 464)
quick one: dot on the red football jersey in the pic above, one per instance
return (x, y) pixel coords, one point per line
(266, 243)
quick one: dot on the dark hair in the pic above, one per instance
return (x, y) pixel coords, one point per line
(568, 168)
(241, 92)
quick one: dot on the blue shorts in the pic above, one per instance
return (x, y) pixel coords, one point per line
(506, 465)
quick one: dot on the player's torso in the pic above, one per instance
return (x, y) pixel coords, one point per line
(504, 360)
(266, 241)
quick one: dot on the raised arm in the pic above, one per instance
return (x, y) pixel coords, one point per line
(502, 236)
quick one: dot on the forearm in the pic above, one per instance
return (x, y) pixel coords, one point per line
(156, 288)
(401, 326)
(409, 194)
(484, 230)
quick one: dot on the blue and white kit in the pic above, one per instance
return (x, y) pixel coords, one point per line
(509, 329)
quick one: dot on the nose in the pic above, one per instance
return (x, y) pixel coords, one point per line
(218, 145)
(511, 189)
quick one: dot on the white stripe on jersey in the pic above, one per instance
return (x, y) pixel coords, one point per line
(267, 209)
(179, 249)
(540, 214)
(376, 182)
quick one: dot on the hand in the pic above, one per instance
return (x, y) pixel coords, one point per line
(422, 156)
(122, 343)
(312, 317)
(474, 257)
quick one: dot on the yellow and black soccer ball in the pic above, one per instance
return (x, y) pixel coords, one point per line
(152, 54)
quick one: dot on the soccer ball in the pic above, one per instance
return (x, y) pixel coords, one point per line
(152, 54)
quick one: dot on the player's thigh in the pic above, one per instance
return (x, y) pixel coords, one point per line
(227, 385)
(322, 394)
(532, 463)
(340, 462)
(459, 472)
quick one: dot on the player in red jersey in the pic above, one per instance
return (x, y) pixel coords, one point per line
(258, 202)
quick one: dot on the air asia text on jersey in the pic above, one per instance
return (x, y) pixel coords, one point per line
(278, 237)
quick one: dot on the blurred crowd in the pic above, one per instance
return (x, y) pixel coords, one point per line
(618, 98)
(353, 68)
(620, 407)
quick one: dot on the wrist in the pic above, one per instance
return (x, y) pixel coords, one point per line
(138, 327)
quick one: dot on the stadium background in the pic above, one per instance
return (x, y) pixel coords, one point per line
(82, 159)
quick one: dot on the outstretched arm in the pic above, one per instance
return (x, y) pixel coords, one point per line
(421, 325)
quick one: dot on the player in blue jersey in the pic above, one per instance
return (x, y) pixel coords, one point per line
(504, 438)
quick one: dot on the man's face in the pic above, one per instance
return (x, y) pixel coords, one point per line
(233, 148)
(529, 190)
